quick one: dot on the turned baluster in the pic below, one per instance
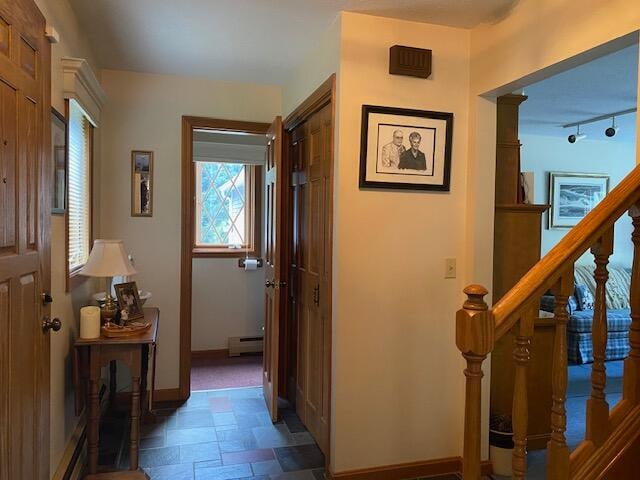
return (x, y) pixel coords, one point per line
(631, 379)
(475, 335)
(598, 426)
(557, 449)
(520, 413)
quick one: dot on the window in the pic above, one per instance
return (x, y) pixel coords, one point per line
(79, 189)
(226, 218)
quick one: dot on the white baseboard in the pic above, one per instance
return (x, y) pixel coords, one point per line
(74, 456)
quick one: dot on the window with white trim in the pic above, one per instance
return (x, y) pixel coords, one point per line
(78, 188)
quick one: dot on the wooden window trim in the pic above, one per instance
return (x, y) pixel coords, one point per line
(73, 277)
(254, 198)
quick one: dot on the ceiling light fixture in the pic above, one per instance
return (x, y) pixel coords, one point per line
(613, 129)
(577, 136)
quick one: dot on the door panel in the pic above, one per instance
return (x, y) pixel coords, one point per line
(24, 241)
(313, 238)
(273, 266)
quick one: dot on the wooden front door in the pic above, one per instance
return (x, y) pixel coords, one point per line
(25, 108)
(311, 181)
(274, 291)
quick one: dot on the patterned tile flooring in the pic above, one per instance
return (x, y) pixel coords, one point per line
(227, 435)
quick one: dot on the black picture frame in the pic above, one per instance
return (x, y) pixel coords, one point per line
(439, 164)
(59, 140)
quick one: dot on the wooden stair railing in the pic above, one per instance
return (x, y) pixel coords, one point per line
(478, 327)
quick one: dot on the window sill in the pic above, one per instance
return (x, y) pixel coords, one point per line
(207, 252)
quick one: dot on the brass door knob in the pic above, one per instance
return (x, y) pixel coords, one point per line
(48, 324)
(269, 283)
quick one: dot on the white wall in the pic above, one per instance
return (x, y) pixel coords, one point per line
(543, 154)
(397, 389)
(73, 43)
(227, 302)
(315, 68)
(144, 111)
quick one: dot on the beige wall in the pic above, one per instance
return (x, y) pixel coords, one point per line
(144, 112)
(65, 306)
(397, 389)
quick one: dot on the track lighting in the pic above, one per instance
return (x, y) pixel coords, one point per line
(613, 129)
(576, 137)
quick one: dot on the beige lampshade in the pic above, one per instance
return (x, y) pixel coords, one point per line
(107, 259)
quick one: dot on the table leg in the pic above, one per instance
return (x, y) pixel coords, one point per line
(143, 376)
(93, 425)
(135, 409)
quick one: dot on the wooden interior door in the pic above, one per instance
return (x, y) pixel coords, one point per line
(25, 109)
(274, 291)
(312, 271)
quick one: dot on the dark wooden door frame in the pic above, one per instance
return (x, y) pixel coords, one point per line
(186, 252)
(324, 95)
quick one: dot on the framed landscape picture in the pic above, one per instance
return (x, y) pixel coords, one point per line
(573, 195)
(405, 149)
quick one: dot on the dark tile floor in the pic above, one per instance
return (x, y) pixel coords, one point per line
(226, 435)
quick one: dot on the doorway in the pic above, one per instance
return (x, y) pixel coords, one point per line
(294, 254)
(223, 279)
(575, 133)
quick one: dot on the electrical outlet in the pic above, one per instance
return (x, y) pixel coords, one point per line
(450, 268)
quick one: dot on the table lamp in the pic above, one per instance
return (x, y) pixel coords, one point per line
(107, 259)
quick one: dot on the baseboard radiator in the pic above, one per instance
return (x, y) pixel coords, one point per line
(243, 345)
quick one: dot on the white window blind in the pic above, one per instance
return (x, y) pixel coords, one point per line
(79, 187)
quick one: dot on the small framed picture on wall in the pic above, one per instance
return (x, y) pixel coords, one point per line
(59, 157)
(141, 183)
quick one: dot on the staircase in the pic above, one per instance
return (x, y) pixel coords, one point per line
(612, 438)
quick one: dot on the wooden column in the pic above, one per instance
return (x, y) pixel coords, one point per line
(475, 335)
(598, 426)
(520, 415)
(631, 379)
(557, 449)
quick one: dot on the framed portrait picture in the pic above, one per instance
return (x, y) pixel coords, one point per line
(405, 149)
(573, 195)
(129, 300)
(141, 183)
(59, 159)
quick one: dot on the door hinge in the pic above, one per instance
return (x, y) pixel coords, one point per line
(316, 295)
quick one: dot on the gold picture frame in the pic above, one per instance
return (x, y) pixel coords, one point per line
(142, 183)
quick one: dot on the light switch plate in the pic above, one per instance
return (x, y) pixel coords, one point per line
(450, 268)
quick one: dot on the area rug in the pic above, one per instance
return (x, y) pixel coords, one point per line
(234, 372)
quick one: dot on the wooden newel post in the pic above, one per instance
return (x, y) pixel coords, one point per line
(475, 337)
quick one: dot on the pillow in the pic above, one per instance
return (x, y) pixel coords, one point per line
(584, 297)
(547, 304)
(617, 287)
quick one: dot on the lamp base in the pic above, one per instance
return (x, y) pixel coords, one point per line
(108, 310)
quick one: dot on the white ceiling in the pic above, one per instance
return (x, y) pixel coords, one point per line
(242, 40)
(602, 86)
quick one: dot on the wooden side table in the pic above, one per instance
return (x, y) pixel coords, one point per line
(91, 356)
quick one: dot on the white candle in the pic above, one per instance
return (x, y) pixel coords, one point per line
(90, 322)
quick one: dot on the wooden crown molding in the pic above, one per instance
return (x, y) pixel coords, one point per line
(81, 84)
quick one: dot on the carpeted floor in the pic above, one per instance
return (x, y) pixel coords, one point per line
(235, 372)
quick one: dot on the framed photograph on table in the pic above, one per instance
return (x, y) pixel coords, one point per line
(573, 195)
(405, 149)
(59, 158)
(129, 301)
(141, 183)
